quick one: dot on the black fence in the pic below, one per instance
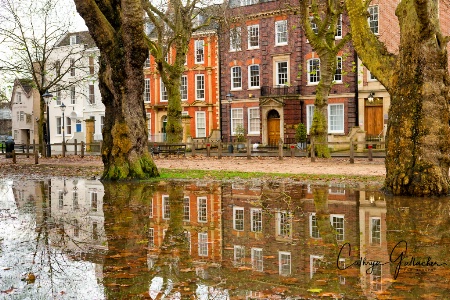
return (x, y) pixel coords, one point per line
(281, 90)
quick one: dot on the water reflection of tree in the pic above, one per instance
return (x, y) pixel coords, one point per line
(327, 278)
(424, 224)
(126, 212)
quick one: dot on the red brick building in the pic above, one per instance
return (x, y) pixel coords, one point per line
(199, 91)
(265, 63)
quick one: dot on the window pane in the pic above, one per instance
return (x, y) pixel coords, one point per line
(336, 118)
(253, 75)
(236, 79)
(281, 32)
(282, 73)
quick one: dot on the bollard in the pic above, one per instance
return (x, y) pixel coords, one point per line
(36, 157)
(292, 151)
(14, 156)
(63, 145)
(208, 150)
(82, 149)
(370, 153)
(249, 149)
(219, 151)
(313, 152)
(352, 154)
(280, 150)
(75, 142)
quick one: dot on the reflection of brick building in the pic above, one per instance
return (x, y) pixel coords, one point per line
(201, 220)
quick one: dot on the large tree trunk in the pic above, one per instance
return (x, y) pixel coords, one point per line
(118, 32)
(174, 128)
(417, 139)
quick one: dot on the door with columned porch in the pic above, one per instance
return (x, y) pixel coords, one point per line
(273, 127)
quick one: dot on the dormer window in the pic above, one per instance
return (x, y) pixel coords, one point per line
(74, 39)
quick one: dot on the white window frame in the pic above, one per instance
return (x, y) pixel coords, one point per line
(165, 207)
(93, 200)
(338, 34)
(238, 223)
(281, 33)
(313, 66)
(202, 209)
(284, 225)
(338, 75)
(237, 118)
(199, 51)
(340, 231)
(256, 223)
(253, 116)
(186, 209)
(315, 234)
(200, 87)
(253, 36)
(149, 124)
(373, 19)
(370, 76)
(378, 230)
(282, 78)
(91, 94)
(68, 126)
(238, 255)
(72, 67)
(184, 88)
(73, 40)
(147, 90)
(254, 81)
(200, 124)
(58, 125)
(257, 259)
(203, 244)
(284, 256)
(236, 78)
(73, 98)
(163, 92)
(332, 123)
(235, 39)
(312, 266)
(309, 116)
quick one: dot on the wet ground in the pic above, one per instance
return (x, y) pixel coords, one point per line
(75, 238)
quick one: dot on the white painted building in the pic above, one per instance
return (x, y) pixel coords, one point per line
(78, 57)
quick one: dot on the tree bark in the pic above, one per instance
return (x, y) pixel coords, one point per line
(118, 33)
(417, 138)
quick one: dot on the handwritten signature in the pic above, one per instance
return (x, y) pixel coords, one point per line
(400, 260)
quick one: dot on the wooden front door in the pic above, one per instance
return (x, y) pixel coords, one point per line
(273, 128)
(373, 120)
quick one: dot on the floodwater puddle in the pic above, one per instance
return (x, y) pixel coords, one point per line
(84, 239)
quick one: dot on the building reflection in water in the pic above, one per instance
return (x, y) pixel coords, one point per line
(241, 240)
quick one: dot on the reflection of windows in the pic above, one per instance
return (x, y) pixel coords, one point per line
(94, 202)
(313, 228)
(338, 73)
(60, 200)
(202, 209)
(375, 231)
(238, 218)
(373, 18)
(202, 244)
(284, 224)
(95, 231)
(235, 39)
(76, 228)
(239, 255)
(186, 209)
(341, 267)
(256, 219)
(253, 120)
(281, 37)
(151, 237)
(75, 200)
(314, 264)
(337, 189)
(376, 278)
(166, 207)
(257, 259)
(284, 261)
(337, 221)
(150, 208)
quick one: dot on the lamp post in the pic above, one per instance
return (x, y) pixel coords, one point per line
(63, 108)
(47, 97)
(230, 99)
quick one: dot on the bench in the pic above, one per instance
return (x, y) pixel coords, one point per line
(169, 149)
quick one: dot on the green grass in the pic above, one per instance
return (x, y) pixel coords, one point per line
(226, 175)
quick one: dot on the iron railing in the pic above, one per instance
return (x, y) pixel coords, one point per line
(281, 90)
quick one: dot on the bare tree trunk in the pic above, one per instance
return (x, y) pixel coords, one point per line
(174, 128)
(118, 32)
(417, 138)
